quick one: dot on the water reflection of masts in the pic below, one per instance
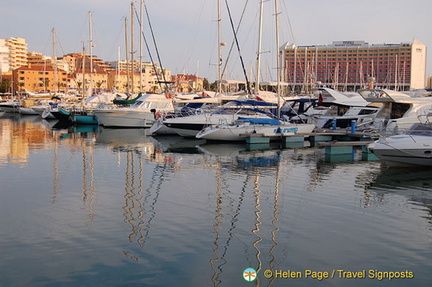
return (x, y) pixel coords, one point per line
(88, 187)
(55, 179)
(219, 216)
(257, 212)
(218, 219)
(152, 209)
(130, 194)
(274, 221)
(136, 200)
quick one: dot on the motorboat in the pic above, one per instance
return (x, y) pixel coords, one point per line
(196, 106)
(411, 148)
(228, 113)
(338, 110)
(140, 114)
(244, 127)
(10, 106)
(398, 112)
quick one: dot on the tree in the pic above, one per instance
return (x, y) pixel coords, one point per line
(206, 84)
(4, 85)
(213, 86)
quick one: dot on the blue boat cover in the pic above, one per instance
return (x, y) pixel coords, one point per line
(261, 121)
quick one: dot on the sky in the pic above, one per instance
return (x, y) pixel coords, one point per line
(185, 31)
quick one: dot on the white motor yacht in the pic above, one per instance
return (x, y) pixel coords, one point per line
(412, 148)
(139, 115)
(337, 110)
(189, 126)
(399, 111)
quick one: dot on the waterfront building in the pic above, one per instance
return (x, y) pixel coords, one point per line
(350, 65)
(187, 83)
(40, 78)
(151, 76)
(4, 57)
(39, 59)
(13, 54)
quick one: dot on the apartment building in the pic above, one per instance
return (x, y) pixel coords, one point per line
(4, 57)
(40, 78)
(13, 54)
(151, 75)
(350, 65)
(187, 83)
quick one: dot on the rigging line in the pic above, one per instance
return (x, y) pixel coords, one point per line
(156, 48)
(149, 52)
(232, 44)
(289, 22)
(238, 48)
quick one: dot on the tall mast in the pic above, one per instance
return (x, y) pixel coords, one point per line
(278, 61)
(127, 56)
(219, 86)
(258, 63)
(54, 61)
(132, 46)
(91, 53)
(141, 43)
(83, 71)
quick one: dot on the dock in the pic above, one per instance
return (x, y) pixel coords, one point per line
(337, 144)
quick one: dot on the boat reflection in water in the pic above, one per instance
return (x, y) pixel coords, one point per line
(126, 209)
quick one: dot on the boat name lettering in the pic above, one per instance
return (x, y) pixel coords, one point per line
(286, 130)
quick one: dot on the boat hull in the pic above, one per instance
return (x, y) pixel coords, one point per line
(241, 132)
(84, 119)
(159, 128)
(404, 150)
(126, 118)
(27, 111)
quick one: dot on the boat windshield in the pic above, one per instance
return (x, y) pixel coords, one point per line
(421, 129)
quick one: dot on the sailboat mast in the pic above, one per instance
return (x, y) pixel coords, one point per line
(132, 47)
(141, 42)
(91, 52)
(278, 58)
(219, 86)
(127, 56)
(258, 62)
(83, 71)
(54, 61)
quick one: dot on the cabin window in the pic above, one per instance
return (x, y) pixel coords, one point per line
(398, 110)
(367, 112)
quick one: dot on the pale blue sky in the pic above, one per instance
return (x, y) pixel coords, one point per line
(186, 30)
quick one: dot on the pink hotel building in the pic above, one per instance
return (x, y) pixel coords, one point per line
(350, 65)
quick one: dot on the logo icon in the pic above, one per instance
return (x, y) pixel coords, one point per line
(249, 274)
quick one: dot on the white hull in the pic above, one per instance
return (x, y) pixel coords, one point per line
(125, 117)
(140, 115)
(404, 150)
(190, 126)
(159, 128)
(27, 111)
(9, 107)
(240, 132)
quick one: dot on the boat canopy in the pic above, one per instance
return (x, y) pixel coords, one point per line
(423, 129)
(250, 103)
(128, 101)
(261, 121)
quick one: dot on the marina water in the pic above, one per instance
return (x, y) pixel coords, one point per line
(87, 206)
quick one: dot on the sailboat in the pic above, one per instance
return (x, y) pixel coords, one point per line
(84, 115)
(240, 129)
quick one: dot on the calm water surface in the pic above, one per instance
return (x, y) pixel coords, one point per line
(115, 207)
